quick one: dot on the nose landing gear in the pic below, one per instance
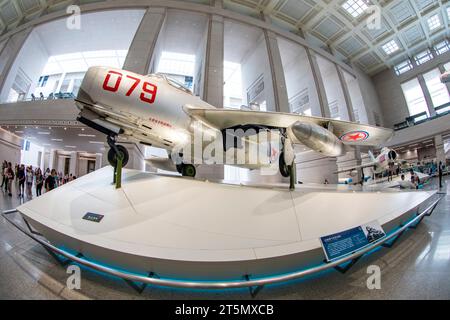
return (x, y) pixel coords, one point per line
(286, 162)
(118, 157)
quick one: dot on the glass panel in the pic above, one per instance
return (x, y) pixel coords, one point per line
(180, 49)
(301, 87)
(438, 90)
(414, 97)
(333, 89)
(52, 52)
(247, 74)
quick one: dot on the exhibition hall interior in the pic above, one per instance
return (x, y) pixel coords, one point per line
(225, 149)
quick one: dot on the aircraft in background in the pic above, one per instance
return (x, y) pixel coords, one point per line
(158, 111)
(383, 161)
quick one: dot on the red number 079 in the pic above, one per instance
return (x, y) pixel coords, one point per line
(148, 91)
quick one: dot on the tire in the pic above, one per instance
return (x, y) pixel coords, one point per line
(112, 157)
(188, 170)
(284, 169)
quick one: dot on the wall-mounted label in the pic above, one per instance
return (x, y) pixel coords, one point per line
(94, 217)
(349, 241)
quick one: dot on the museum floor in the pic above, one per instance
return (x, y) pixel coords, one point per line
(417, 267)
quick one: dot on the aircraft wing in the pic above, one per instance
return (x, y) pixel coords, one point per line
(366, 165)
(231, 118)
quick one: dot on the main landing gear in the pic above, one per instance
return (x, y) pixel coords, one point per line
(117, 157)
(186, 170)
(286, 162)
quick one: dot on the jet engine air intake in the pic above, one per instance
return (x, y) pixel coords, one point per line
(317, 138)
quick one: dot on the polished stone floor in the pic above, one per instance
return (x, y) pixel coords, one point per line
(417, 267)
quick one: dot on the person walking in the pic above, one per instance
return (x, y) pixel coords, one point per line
(29, 181)
(39, 181)
(4, 166)
(10, 178)
(21, 177)
(440, 172)
(50, 182)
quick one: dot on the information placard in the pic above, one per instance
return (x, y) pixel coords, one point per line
(348, 241)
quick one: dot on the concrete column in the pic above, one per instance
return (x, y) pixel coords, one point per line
(213, 82)
(276, 68)
(42, 164)
(427, 95)
(98, 161)
(442, 70)
(8, 56)
(73, 167)
(440, 151)
(141, 50)
(53, 159)
(104, 156)
(348, 100)
(319, 84)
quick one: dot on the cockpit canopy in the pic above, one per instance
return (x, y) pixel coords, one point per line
(174, 83)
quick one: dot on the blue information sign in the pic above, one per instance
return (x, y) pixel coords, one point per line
(349, 241)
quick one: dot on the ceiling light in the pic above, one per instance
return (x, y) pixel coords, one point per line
(57, 139)
(390, 47)
(65, 128)
(86, 135)
(70, 146)
(43, 132)
(355, 7)
(82, 129)
(96, 142)
(434, 22)
(18, 131)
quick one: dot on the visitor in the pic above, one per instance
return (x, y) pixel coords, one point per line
(50, 182)
(21, 177)
(41, 95)
(29, 181)
(39, 182)
(326, 181)
(440, 172)
(10, 178)
(4, 166)
(33, 97)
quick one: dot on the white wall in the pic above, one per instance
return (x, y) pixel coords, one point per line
(31, 59)
(255, 63)
(31, 156)
(10, 146)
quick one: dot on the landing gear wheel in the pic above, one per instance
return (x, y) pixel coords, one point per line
(112, 156)
(188, 170)
(284, 169)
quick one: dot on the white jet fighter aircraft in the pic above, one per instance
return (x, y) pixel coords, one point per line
(379, 164)
(155, 110)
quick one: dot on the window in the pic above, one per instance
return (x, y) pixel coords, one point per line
(414, 97)
(355, 7)
(438, 90)
(442, 47)
(447, 66)
(434, 22)
(403, 67)
(390, 47)
(423, 57)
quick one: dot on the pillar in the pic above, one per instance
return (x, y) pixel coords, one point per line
(8, 56)
(348, 100)
(53, 159)
(319, 84)
(142, 47)
(276, 68)
(213, 83)
(440, 151)
(427, 95)
(98, 161)
(73, 166)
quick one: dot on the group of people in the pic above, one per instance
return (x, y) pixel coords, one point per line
(25, 177)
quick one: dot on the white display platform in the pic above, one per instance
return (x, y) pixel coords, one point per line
(188, 229)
